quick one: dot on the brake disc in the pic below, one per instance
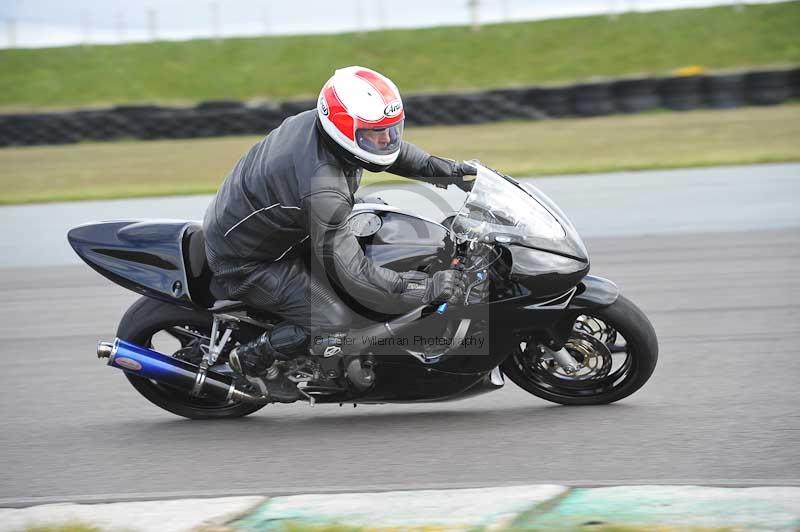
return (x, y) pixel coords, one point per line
(593, 355)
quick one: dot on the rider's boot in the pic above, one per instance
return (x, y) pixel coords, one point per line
(257, 360)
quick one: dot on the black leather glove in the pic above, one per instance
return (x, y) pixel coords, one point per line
(459, 173)
(447, 286)
(466, 176)
(444, 172)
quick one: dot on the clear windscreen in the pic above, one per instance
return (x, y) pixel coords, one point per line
(497, 207)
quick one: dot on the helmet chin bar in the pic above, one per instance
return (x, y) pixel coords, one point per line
(372, 167)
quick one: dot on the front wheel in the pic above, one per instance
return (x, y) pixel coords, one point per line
(616, 347)
(180, 333)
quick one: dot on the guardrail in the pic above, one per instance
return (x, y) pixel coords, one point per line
(596, 98)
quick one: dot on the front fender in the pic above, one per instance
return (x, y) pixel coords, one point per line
(594, 292)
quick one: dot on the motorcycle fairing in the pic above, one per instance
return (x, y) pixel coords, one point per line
(404, 241)
(545, 273)
(404, 381)
(594, 292)
(144, 256)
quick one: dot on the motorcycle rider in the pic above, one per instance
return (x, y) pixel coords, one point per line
(276, 230)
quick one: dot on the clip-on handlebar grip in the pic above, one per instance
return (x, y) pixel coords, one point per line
(455, 264)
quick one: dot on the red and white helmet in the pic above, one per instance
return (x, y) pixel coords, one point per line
(361, 111)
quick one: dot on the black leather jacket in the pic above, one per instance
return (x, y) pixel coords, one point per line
(290, 188)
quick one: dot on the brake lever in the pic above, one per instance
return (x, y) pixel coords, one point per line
(481, 278)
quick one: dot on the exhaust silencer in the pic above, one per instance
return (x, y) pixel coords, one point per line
(195, 380)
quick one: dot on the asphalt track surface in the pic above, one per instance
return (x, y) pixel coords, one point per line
(656, 202)
(720, 408)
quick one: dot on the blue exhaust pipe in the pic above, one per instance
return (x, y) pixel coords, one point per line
(195, 380)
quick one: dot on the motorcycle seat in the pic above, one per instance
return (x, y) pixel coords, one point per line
(203, 288)
(226, 305)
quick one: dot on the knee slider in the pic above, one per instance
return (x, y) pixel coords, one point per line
(289, 339)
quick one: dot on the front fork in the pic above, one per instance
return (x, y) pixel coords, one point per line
(562, 357)
(550, 344)
(592, 292)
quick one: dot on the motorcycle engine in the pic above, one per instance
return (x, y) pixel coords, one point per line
(322, 375)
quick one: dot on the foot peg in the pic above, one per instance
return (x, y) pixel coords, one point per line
(280, 388)
(258, 362)
(273, 384)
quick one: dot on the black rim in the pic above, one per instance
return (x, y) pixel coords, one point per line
(607, 360)
(189, 343)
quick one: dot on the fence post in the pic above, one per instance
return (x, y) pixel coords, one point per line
(11, 29)
(613, 10)
(360, 18)
(381, 14)
(474, 8)
(152, 24)
(122, 32)
(215, 25)
(85, 28)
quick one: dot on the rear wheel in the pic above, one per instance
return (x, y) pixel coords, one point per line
(616, 346)
(180, 333)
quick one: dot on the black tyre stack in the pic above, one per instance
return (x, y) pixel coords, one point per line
(682, 93)
(595, 98)
(795, 80)
(768, 87)
(724, 91)
(552, 102)
(635, 95)
(592, 99)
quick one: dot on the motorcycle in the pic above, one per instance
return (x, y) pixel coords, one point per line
(532, 313)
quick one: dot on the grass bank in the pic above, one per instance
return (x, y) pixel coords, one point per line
(418, 60)
(655, 140)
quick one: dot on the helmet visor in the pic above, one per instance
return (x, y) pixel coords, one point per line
(380, 141)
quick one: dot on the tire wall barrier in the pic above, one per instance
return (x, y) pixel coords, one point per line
(225, 117)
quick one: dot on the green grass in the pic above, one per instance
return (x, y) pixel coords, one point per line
(646, 141)
(418, 60)
(64, 527)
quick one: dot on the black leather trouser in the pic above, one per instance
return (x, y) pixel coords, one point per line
(291, 289)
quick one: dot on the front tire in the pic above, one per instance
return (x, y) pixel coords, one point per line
(141, 324)
(620, 328)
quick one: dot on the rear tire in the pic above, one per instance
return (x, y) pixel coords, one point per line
(141, 322)
(641, 347)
